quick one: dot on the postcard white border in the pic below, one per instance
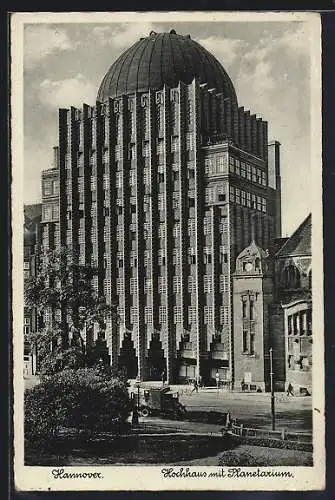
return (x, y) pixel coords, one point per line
(150, 478)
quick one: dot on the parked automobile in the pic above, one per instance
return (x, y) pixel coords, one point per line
(159, 401)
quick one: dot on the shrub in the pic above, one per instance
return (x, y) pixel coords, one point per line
(244, 459)
(85, 399)
(45, 414)
(263, 458)
(274, 443)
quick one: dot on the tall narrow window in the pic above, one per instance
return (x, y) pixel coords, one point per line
(244, 309)
(174, 116)
(291, 277)
(295, 324)
(146, 122)
(131, 123)
(245, 341)
(252, 343)
(189, 113)
(251, 310)
(118, 128)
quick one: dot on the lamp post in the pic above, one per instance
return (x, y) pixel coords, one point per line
(273, 416)
(138, 396)
(137, 404)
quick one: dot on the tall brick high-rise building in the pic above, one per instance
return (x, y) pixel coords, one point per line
(161, 185)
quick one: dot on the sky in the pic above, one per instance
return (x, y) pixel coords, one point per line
(268, 63)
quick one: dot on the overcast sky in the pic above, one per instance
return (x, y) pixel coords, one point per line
(268, 62)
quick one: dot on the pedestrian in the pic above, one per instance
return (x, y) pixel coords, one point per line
(195, 386)
(242, 385)
(163, 377)
(290, 390)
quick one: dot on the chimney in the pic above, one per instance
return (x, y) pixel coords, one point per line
(274, 182)
(56, 157)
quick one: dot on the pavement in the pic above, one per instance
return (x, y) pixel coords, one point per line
(158, 424)
(254, 410)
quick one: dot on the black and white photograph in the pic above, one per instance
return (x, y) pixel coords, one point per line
(167, 251)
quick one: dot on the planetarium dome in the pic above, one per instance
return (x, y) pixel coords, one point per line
(164, 58)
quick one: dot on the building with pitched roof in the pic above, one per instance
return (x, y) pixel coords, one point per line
(272, 304)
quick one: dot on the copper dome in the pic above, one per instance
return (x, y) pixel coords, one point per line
(164, 58)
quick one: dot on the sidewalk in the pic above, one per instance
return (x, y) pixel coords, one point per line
(185, 390)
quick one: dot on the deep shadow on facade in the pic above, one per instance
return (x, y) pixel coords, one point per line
(172, 189)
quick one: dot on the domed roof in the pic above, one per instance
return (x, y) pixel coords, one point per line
(164, 58)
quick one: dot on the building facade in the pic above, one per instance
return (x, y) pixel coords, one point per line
(253, 294)
(294, 292)
(272, 304)
(50, 224)
(32, 239)
(161, 185)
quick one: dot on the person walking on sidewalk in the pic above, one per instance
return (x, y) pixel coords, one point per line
(290, 390)
(195, 386)
(163, 377)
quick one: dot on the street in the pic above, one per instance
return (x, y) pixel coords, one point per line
(254, 410)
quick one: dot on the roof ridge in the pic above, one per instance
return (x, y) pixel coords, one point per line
(301, 225)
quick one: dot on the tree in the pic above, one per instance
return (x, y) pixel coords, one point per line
(85, 399)
(64, 290)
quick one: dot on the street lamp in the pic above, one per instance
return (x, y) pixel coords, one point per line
(273, 416)
(138, 385)
(137, 406)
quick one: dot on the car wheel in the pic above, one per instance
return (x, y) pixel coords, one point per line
(144, 412)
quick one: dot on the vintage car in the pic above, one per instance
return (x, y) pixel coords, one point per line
(158, 401)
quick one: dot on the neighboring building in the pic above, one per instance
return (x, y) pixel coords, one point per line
(294, 292)
(50, 229)
(162, 184)
(32, 228)
(272, 307)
